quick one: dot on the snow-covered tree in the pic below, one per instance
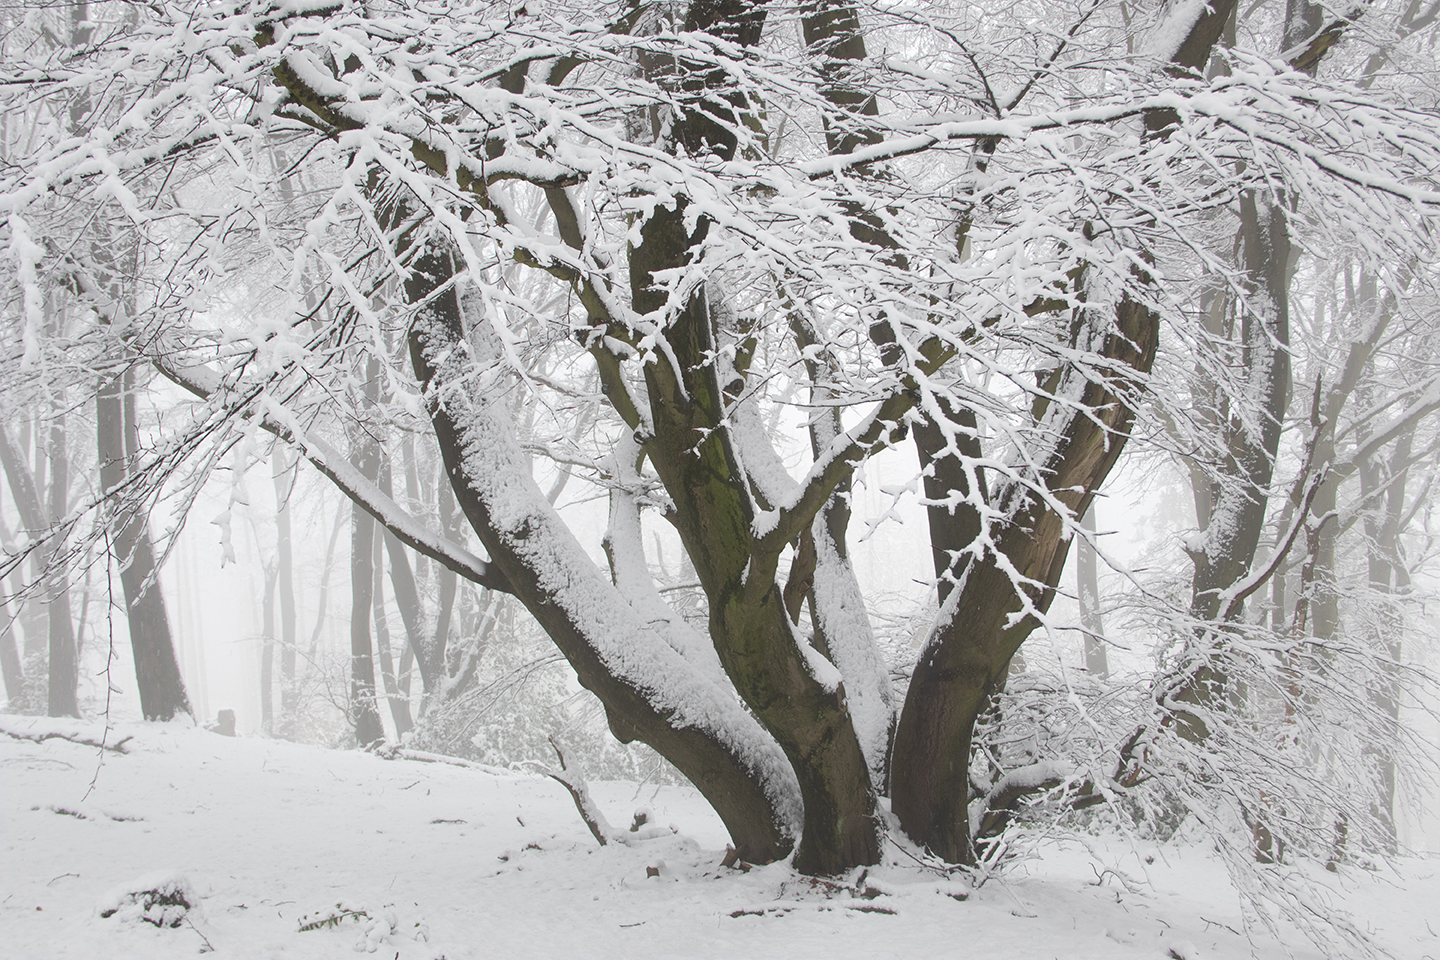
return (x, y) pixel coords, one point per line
(690, 226)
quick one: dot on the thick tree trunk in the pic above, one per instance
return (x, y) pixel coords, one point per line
(749, 623)
(968, 655)
(786, 683)
(529, 545)
(1237, 520)
(969, 652)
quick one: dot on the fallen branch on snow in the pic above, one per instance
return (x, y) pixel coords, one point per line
(118, 746)
(393, 751)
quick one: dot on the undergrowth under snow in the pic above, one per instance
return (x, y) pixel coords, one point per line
(188, 842)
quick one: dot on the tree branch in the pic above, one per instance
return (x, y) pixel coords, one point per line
(203, 383)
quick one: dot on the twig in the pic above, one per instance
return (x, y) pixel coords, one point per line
(109, 661)
(1217, 923)
(209, 947)
(928, 866)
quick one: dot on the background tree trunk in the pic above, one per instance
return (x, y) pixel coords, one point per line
(1388, 578)
(34, 618)
(1087, 583)
(10, 656)
(267, 653)
(399, 706)
(365, 457)
(284, 477)
(157, 673)
(64, 666)
(412, 615)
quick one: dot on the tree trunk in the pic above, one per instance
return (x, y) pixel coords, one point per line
(749, 624)
(1388, 577)
(284, 477)
(736, 776)
(34, 618)
(1233, 535)
(1230, 541)
(267, 653)
(680, 422)
(968, 654)
(157, 673)
(10, 656)
(64, 668)
(365, 457)
(1087, 588)
(399, 706)
(407, 599)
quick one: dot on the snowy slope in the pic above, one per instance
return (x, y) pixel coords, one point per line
(428, 860)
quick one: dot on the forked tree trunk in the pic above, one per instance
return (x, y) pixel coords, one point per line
(970, 651)
(523, 547)
(679, 420)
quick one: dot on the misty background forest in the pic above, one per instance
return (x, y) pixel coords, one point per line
(928, 448)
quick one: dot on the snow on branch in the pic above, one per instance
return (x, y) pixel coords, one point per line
(275, 418)
(68, 732)
(574, 783)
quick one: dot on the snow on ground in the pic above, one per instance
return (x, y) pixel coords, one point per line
(296, 851)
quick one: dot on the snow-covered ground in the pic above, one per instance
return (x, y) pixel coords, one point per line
(295, 851)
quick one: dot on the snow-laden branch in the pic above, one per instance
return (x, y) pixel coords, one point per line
(1237, 593)
(1230, 100)
(275, 418)
(883, 426)
(1425, 404)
